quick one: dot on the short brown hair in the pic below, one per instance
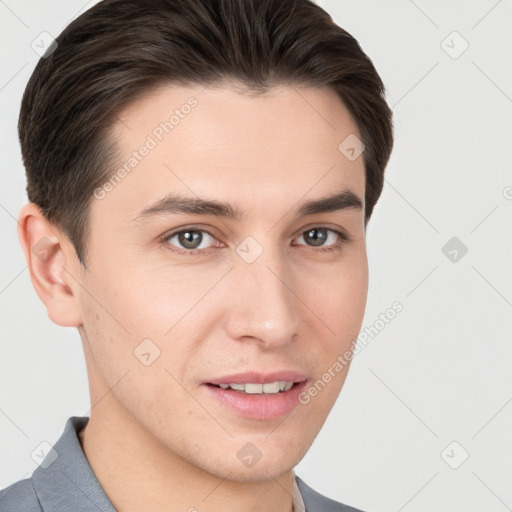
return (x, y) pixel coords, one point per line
(121, 49)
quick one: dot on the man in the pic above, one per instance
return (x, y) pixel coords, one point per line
(200, 177)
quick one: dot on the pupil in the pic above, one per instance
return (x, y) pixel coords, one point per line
(190, 239)
(316, 236)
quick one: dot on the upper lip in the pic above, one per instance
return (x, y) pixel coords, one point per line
(256, 377)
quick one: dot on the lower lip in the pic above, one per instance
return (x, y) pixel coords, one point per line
(258, 406)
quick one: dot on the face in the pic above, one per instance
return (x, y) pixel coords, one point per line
(253, 287)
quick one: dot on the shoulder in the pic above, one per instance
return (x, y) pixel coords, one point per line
(316, 502)
(19, 496)
(49, 487)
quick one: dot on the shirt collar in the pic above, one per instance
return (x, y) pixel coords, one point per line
(65, 481)
(298, 502)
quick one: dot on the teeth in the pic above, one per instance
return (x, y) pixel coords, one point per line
(271, 388)
(253, 388)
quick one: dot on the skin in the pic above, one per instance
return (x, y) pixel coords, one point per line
(155, 439)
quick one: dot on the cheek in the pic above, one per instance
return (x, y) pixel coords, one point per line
(340, 305)
(339, 300)
(106, 332)
(338, 294)
(152, 297)
(157, 318)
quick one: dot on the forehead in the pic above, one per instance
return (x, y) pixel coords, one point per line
(219, 142)
(216, 115)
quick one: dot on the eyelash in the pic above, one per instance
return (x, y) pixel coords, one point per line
(345, 239)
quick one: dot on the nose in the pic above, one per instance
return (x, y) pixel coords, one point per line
(263, 304)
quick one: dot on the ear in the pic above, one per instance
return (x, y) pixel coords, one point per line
(52, 263)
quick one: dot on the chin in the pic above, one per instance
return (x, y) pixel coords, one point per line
(260, 472)
(248, 463)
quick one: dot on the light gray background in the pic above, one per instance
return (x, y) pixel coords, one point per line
(441, 370)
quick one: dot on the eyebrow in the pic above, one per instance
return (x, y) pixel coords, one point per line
(176, 204)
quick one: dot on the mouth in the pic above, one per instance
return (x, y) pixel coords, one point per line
(252, 388)
(255, 395)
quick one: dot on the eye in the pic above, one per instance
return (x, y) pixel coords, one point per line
(318, 236)
(191, 240)
(195, 241)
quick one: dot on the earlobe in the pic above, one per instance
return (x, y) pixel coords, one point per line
(48, 257)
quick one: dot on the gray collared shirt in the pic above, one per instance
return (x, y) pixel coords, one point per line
(65, 482)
